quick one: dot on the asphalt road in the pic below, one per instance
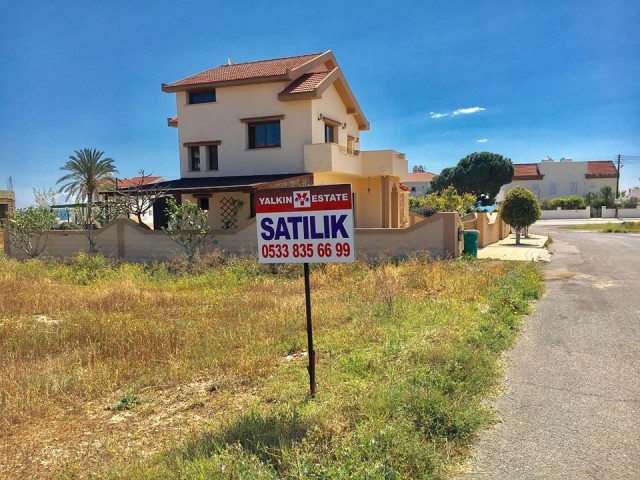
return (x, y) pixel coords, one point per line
(571, 409)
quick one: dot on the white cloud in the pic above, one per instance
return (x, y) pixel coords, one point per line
(467, 111)
(482, 140)
(438, 115)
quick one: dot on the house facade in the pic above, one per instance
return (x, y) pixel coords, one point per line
(550, 179)
(7, 203)
(282, 122)
(418, 183)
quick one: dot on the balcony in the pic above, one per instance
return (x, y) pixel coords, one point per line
(384, 162)
(331, 157)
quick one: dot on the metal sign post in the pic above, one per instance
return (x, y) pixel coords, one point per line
(305, 225)
(312, 353)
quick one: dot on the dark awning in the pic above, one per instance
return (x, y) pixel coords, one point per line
(225, 184)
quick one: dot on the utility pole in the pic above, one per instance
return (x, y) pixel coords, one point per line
(617, 199)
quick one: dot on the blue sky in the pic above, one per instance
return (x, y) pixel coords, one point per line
(437, 79)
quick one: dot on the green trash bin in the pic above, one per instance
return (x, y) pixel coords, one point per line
(471, 242)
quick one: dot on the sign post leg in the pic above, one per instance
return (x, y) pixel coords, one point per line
(310, 350)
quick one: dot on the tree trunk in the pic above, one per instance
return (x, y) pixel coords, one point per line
(517, 236)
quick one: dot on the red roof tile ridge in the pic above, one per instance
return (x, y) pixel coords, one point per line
(306, 82)
(246, 70)
(313, 55)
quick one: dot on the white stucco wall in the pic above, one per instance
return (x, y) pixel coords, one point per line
(214, 213)
(558, 214)
(332, 106)
(562, 174)
(221, 121)
(622, 212)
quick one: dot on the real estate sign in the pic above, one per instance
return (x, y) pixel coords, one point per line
(305, 225)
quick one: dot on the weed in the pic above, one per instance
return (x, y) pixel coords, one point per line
(406, 351)
(129, 401)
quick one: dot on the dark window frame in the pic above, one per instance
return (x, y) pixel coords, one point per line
(212, 158)
(201, 96)
(259, 134)
(203, 203)
(330, 133)
(194, 160)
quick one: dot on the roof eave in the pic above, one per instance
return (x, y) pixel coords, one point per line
(171, 88)
(326, 57)
(336, 76)
(527, 177)
(601, 175)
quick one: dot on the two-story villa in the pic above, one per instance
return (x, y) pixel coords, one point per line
(550, 179)
(283, 122)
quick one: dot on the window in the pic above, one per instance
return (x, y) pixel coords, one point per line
(194, 159)
(534, 186)
(212, 157)
(573, 188)
(329, 133)
(552, 187)
(264, 134)
(208, 96)
(592, 185)
(203, 203)
(350, 144)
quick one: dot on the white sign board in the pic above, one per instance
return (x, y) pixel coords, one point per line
(305, 225)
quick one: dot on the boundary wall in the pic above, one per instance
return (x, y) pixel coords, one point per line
(622, 212)
(562, 214)
(439, 235)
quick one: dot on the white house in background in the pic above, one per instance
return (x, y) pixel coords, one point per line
(108, 186)
(290, 121)
(550, 179)
(634, 193)
(418, 182)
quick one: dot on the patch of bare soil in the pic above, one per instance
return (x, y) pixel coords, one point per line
(78, 440)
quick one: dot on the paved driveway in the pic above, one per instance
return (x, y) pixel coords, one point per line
(572, 404)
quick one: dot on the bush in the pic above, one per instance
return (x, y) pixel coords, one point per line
(447, 200)
(573, 202)
(29, 227)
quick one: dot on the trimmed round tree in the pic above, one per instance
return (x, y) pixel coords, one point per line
(481, 173)
(520, 208)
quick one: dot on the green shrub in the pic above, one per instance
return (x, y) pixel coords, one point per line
(572, 202)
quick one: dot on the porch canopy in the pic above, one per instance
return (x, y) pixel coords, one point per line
(248, 184)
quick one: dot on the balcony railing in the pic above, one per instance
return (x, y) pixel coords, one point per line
(331, 157)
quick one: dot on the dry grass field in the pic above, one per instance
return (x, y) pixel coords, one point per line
(148, 371)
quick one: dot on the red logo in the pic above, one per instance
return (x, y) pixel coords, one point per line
(302, 199)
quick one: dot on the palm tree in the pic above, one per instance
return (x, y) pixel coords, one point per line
(86, 169)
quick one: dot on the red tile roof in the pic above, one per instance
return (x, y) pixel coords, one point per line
(306, 83)
(136, 181)
(601, 168)
(245, 71)
(526, 171)
(110, 183)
